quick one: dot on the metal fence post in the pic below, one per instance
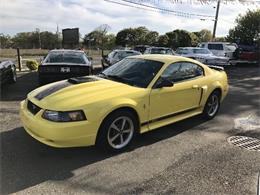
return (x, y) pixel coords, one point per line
(19, 60)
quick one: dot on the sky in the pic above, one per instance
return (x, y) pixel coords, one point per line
(27, 15)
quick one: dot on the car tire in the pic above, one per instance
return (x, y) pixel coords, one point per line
(13, 76)
(117, 131)
(212, 105)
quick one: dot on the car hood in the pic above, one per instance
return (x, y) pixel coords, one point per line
(66, 95)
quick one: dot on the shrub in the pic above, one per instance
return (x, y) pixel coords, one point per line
(32, 64)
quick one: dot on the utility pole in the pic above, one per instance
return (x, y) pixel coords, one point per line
(215, 21)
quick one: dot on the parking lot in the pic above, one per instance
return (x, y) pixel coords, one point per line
(188, 157)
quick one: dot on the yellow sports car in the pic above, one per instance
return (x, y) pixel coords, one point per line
(135, 95)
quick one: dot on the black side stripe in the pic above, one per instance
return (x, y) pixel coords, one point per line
(167, 116)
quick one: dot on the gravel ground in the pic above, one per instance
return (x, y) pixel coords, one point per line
(188, 157)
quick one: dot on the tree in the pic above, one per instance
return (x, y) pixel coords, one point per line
(204, 35)
(151, 38)
(179, 38)
(5, 41)
(194, 39)
(247, 29)
(136, 36)
(163, 40)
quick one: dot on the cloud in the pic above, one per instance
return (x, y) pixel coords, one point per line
(27, 15)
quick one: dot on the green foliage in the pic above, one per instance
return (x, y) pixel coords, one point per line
(204, 35)
(32, 64)
(179, 38)
(163, 40)
(247, 28)
(5, 41)
(29, 40)
(194, 39)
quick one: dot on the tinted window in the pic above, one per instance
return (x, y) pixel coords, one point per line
(182, 71)
(215, 46)
(124, 54)
(133, 71)
(66, 57)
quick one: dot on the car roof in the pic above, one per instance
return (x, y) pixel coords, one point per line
(164, 58)
(191, 48)
(159, 48)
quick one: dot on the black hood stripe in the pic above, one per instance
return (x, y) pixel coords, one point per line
(52, 90)
(62, 85)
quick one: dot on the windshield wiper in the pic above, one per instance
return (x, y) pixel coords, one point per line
(115, 77)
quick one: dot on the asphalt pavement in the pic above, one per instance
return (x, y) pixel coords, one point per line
(189, 157)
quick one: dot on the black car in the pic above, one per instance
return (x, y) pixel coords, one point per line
(7, 72)
(64, 64)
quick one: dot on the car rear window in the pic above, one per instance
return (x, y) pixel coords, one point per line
(66, 57)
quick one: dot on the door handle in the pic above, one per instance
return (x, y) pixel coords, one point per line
(195, 86)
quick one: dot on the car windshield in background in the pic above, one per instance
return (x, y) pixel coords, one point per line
(122, 55)
(182, 51)
(201, 51)
(158, 51)
(66, 57)
(133, 71)
(231, 47)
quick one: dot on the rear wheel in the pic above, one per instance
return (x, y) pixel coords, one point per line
(212, 105)
(117, 131)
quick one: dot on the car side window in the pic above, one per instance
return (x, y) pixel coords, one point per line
(182, 71)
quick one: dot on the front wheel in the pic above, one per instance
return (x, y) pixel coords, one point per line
(212, 106)
(117, 131)
(13, 76)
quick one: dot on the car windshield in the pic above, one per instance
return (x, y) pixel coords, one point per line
(201, 51)
(182, 51)
(231, 47)
(124, 54)
(158, 51)
(133, 71)
(66, 57)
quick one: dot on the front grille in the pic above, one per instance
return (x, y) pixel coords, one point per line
(34, 109)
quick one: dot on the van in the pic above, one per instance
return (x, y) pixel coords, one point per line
(220, 48)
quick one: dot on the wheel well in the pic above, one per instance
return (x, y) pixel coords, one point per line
(219, 91)
(127, 109)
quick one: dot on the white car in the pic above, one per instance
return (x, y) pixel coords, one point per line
(220, 48)
(203, 55)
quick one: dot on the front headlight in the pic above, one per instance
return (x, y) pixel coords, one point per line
(59, 116)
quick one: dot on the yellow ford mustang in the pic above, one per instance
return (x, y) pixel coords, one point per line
(136, 95)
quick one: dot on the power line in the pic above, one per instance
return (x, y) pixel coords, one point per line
(167, 10)
(159, 10)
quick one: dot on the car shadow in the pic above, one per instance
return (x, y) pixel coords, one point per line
(26, 82)
(35, 162)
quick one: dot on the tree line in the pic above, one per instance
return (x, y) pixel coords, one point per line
(246, 31)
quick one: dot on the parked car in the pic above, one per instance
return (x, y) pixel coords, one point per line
(117, 55)
(7, 72)
(159, 50)
(203, 55)
(62, 64)
(136, 95)
(220, 48)
(141, 48)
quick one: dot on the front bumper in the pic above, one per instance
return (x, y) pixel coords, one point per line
(57, 134)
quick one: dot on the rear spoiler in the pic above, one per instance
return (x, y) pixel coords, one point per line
(219, 68)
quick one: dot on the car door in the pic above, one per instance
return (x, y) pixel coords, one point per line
(182, 97)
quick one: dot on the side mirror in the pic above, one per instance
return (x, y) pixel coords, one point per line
(90, 58)
(163, 82)
(104, 56)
